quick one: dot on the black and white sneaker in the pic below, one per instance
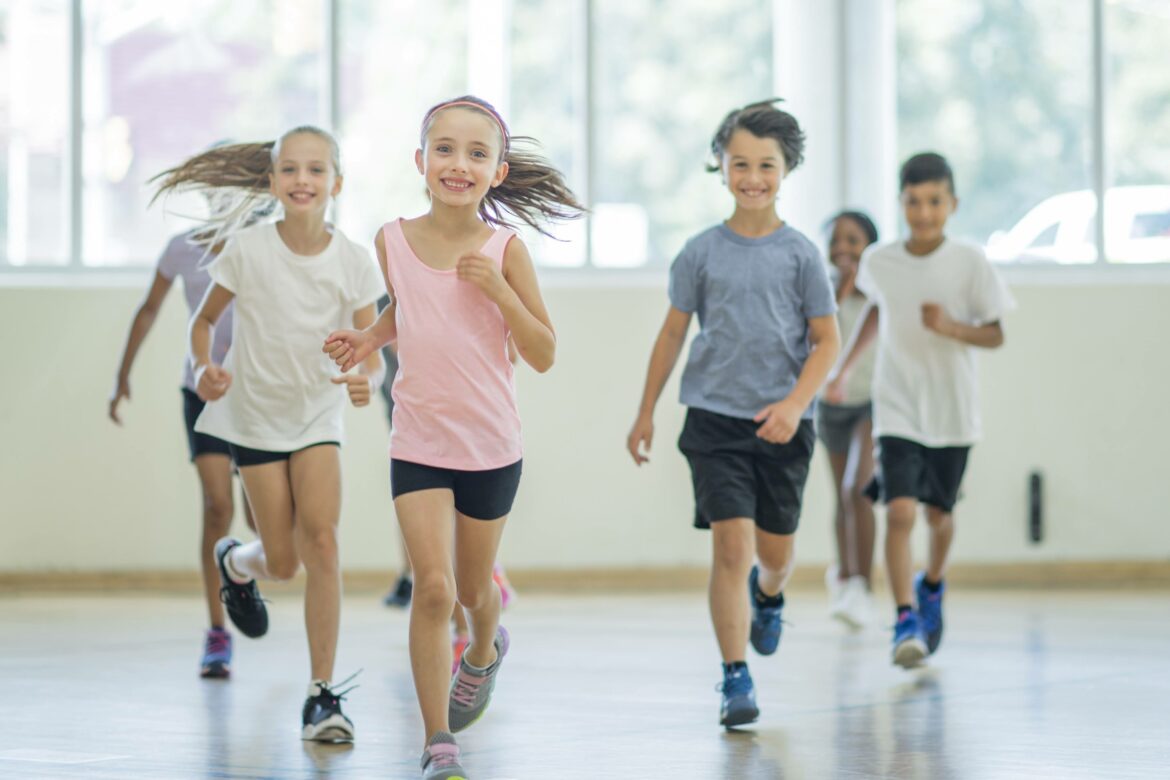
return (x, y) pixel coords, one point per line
(322, 719)
(243, 602)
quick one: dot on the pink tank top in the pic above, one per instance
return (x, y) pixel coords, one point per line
(454, 395)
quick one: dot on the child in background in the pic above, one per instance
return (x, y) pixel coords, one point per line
(846, 431)
(933, 301)
(184, 258)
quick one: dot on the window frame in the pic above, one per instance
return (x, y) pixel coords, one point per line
(855, 67)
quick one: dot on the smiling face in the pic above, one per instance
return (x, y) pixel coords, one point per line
(846, 244)
(753, 168)
(304, 176)
(462, 156)
(927, 206)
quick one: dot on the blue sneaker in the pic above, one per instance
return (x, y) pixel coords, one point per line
(765, 620)
(930, 610)
(739, 699)
(217, 655)
(909, 642)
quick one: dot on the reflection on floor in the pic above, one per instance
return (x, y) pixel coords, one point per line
(1026, 685)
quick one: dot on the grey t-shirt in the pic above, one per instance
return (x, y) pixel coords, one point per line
(753, 297)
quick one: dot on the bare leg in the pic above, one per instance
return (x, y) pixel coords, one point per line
(733, 543)
(942, 533)
(273, 556)
(862, 527)
(215, 478)
(900, 515)
(776, 553)
(427, 520)
(476, 544)
(846, 564)
(315, 477)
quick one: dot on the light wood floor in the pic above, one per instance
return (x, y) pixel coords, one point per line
(1027, 685)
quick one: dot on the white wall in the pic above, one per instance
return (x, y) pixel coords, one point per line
(1078, 392)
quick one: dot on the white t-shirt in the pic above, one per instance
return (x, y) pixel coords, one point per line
(281, 398)
(925, 385)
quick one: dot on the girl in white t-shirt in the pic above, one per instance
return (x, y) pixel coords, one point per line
(276, 399)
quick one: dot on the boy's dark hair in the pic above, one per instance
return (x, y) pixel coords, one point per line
(763, 120)
(924, 167)
(861, 218)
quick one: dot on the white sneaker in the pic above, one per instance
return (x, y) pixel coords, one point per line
(855, 607)
(833, 583)
(837, 589)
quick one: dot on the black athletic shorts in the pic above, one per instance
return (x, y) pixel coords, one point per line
(907, 469)
(246, 456)
(737, 474)
(483, 495)
(199, 443)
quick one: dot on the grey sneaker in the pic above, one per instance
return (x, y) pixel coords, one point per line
(440, 761)
(471, 690)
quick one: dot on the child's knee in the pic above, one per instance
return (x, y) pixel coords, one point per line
(733, 555)
(900, 514)
(434, 593)
(319, 548)
(475, 595)
(217, 511)
(936, 517)
(283, 566)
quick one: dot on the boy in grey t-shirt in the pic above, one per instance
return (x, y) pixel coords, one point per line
(767, 341)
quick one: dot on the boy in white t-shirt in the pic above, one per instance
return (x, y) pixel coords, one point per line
(937, 299)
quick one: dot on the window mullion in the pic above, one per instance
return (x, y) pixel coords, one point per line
(1100, 155)
(75, 182)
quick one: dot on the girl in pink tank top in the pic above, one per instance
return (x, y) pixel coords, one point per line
(461, 285)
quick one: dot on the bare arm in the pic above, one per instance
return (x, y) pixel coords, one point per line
(211, 381)
(349, 348)
(989, 336)
(360, 384)
(780, 420)
(663, 357)
(864, 333)
(825, 340)
(372, 366)
(144, 318)
(860, 340)
(524, 310)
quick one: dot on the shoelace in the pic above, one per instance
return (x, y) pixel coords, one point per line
(442, 760)
(243, 596)
(217, 643)
(465, 689)
(338, 696)
(735, 685)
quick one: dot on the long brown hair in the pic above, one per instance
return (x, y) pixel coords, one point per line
(237, 177)
(534, 192)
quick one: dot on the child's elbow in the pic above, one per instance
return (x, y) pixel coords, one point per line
(542, 365)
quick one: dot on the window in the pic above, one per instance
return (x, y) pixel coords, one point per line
(396, 59)
(547, 101)
(164, 81)
(34, 131)
(663, 80)
(1137, 204)
(1004, 90)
